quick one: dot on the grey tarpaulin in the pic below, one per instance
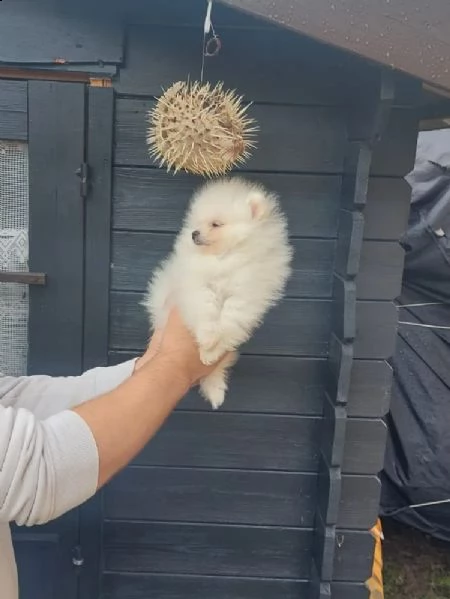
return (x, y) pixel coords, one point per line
(417, 463)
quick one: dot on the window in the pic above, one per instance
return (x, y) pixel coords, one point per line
(14, 298)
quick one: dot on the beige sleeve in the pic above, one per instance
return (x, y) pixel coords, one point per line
(48, 455)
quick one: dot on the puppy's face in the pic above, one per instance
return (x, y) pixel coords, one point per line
(218, 225)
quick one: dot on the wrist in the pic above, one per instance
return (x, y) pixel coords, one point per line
(172, 369)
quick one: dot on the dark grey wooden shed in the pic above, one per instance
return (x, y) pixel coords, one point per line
(273, 496)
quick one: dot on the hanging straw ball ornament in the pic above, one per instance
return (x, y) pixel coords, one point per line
(200, 129)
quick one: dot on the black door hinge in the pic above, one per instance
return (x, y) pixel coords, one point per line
(83, 174)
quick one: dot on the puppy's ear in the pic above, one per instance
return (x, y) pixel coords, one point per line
(259, 204)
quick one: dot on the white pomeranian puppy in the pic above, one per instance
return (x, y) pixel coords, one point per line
(229, 265)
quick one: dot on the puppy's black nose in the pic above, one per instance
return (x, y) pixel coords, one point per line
(195, 235)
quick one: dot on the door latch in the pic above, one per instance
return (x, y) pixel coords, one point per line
(77, 557)
(83, 174)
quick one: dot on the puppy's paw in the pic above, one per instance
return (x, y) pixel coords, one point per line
(213, 391)
(208, 337)
(208, 357)
(213, 355)
(216, 398)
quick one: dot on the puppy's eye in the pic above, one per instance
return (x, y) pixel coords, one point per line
(216, 224)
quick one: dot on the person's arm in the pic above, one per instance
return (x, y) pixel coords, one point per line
(46, 395)
(124, 420)
(48, 467)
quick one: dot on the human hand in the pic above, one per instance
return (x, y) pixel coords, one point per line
(177, 345)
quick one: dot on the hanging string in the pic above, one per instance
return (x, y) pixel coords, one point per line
(211, 46)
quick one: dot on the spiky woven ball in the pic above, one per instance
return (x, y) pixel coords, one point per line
(200, 129)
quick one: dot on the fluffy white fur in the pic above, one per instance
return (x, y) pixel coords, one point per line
(229, 265)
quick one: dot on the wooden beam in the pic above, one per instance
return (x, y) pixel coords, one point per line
(49, 75)
(406, 34)
(43, 75)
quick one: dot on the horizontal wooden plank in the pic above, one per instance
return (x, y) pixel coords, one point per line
(262, 384)
(392, 156)
(387, 209)
(13, 96)
(26, 278)
(293, 328)
(354, 556)
(342, 590)
(222, 440)
(136, 255)
(285, 385)
(380, 271)
(142, 586)
(13, 110)
(372, 325)
(155, 62)
(154, 200)
(212, 496)
(290, 139)
(360, 502)
(370, 389)
(395, 154)
(33, 33)
(227, 551)
(364, 385)
(100, 70)
(299, 139)
(376, 330)
(296, 327)
(366, 437)
(376, 265)
(365, 443)
(207, 550)
(13, 125)
(259, 442)
(234, 497)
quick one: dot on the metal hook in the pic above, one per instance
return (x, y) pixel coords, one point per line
(213, 46)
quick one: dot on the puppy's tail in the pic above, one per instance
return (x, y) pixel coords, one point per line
(214, 386)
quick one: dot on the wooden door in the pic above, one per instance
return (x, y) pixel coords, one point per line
(47, 124)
